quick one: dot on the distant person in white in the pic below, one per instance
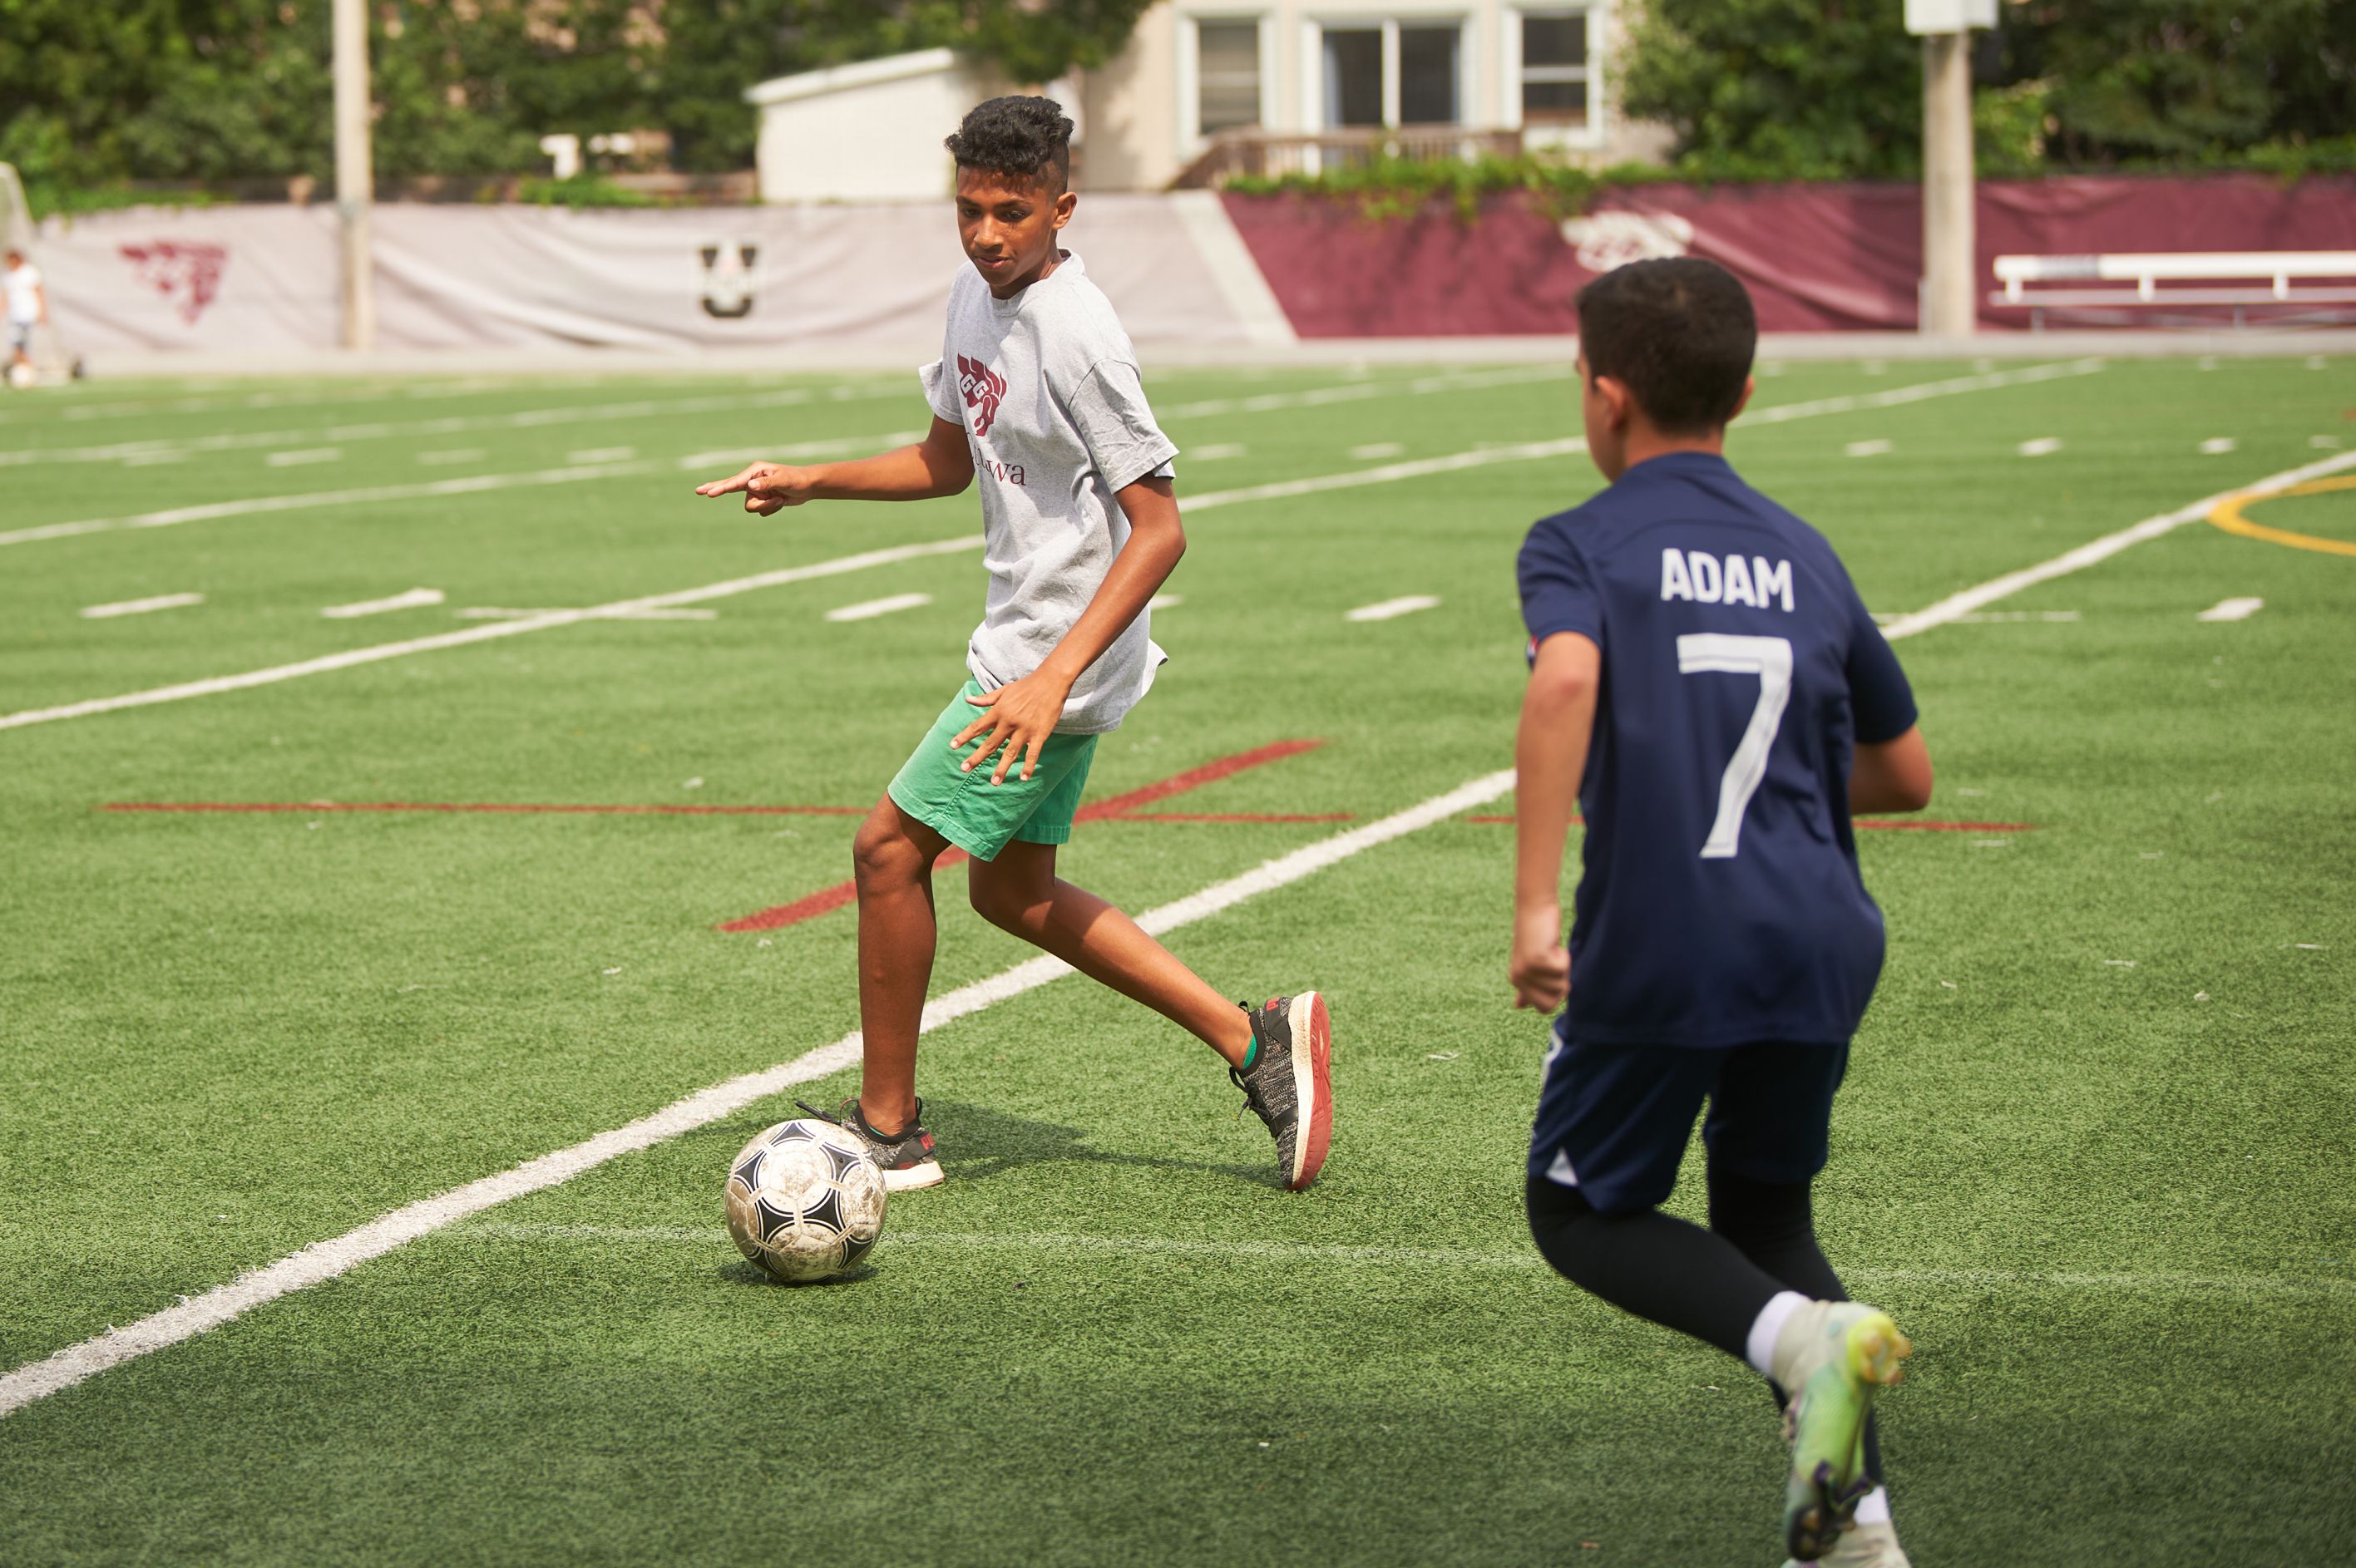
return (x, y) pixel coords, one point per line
(28, 306)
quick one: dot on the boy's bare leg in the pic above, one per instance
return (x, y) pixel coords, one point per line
(1018, 892)
(892, 858)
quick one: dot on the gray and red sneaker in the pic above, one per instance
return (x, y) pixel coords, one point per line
(906, 1158)
(1290, 1083)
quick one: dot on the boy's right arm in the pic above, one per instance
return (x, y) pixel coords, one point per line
(941, 465)
(1890, 775)
(1549, 759)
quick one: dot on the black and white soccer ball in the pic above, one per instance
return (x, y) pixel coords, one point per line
(805, 1200)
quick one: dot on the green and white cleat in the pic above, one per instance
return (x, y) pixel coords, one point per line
(1863, 1546)
(1831, 1358)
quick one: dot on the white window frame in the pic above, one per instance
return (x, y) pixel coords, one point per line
(1587, 137)
(1192, 141)
(1388, 23)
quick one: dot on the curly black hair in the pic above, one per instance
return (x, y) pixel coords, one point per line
(1026, 136)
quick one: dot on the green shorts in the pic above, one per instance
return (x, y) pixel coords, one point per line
(980, 817)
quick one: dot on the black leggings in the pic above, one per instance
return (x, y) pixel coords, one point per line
(1709, 1284)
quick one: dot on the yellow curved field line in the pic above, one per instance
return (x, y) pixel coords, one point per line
(2227, 516)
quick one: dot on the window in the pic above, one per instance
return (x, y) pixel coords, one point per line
(1394, 74)
(1353, 76)
(1227, 75)
(1554, 68)
(1428, 75)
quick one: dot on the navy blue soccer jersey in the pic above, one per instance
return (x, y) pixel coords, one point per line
(1720, 902)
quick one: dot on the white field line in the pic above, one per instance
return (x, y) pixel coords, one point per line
(141, 607)
(2169, 1280)
(1516, 452)
(449, 425)
(414, 598)
(1216, 451)
(1868, 449)
(871, 608)
(602, 455)
(173, 516)
(490, 631)
(1392, 609)
(493, 613)
(1895, 396)
(301, 457)
(572, 475)
(1374, 450)
(2223, 610)
(2217, 446)
(1521, 452)
(1955, 606)
(1359, 391)
(1166, 601)
(2043, 446)
(325, 1259)
(1479, 457)
(314, 397)
(648, 408)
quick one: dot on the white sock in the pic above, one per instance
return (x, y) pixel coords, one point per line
(1760, 1348)
(1874, 1507)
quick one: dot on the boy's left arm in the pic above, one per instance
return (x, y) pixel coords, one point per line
(1021, 714)
(1549, 759)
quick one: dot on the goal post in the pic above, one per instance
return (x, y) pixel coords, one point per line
(51, 359)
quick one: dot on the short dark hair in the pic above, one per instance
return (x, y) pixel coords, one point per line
(1678, 332)
(1026, 136)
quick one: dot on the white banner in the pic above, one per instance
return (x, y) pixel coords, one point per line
(264, 277)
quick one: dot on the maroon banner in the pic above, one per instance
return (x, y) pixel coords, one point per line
(1816, 258)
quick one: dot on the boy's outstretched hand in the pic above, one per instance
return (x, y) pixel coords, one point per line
(1019, 717)
(1540, 967)
(767, 486)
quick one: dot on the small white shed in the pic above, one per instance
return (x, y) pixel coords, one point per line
(868, 132)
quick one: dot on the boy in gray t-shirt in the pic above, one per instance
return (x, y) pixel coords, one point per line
(1036, 394)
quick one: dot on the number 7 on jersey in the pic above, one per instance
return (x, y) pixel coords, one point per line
(1769, 658)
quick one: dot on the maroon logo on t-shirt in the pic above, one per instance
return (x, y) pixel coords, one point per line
(982, 388)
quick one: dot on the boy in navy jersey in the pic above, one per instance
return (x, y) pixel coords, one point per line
(1707, 689)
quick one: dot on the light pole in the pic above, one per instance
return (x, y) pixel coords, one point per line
(355, 171)
(1950, 287)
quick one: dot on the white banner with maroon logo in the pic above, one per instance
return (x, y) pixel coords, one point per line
(264, 277)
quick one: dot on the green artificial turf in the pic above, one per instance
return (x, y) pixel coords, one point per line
(2092, 1151)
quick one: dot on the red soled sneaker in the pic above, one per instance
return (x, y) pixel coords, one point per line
(1290, 1083)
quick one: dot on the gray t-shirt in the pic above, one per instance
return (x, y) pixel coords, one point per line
(1047, 386)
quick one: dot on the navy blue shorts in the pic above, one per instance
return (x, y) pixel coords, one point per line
(1614, 1120)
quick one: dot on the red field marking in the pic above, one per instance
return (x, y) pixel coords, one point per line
(1235, 817)
(1194, 778)
(319, 805)
(1113, 808)
(1883, 824)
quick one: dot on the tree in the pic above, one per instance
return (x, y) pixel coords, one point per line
(720, 47)
(1833, 87)
(2140, 80)
(1805, 86)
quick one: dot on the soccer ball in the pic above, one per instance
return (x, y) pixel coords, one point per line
(21, 375)
(804, 1200)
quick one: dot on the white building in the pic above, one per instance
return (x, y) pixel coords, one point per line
(1209, 87)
